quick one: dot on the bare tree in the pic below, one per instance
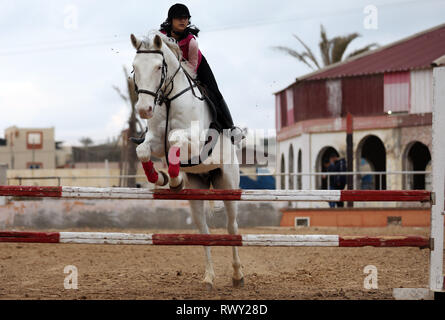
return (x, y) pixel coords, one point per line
(86, 142)
(129, 150)
(331, 50)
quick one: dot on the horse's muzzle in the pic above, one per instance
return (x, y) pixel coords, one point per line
(146, 114)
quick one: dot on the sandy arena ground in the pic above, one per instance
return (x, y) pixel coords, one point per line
(35, 271)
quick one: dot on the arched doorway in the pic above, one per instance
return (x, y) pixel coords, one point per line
(372, 157)
(321, 166)
(291, 168)
(417, 157)
(299, 170)
(282, 171)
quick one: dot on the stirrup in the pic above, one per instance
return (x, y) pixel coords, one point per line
(237, 135)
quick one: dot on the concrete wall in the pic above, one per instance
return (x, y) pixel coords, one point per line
(71, 175)
(359, 218)
(142, 214)
(5, 156)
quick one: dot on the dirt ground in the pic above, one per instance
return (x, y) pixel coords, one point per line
(36, 271)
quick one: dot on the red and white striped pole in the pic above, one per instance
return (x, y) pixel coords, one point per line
(252, 240)
(234, 195)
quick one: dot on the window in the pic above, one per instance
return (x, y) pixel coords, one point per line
(394, 221)
(34, 165)
(397, 92)
(301, 222)
(34, 140)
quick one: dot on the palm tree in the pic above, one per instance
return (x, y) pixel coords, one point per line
(332, 50)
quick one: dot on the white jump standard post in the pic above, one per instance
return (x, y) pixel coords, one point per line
(436, 280)
(438, 158)
(3, 181)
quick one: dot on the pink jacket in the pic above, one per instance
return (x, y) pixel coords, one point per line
(190, 50)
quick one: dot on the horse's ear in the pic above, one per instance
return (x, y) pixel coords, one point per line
(157, 42)
(135, 42)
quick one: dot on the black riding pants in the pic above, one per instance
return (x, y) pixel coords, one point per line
(206, 77)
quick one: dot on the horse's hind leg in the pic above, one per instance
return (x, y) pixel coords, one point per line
(199, 218)
(229, 179)
(232, 228)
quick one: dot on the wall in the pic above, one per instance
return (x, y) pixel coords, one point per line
(397, 92)
(360, 218)
(421, 91)
(370, 95)
(362, 95)
(72, 173)
(142, 214)
(310, 100)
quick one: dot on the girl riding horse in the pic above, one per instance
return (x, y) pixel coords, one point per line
(178, 26)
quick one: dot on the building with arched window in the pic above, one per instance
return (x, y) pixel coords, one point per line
(389, 93)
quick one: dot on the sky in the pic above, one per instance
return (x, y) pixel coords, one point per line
(60, 60)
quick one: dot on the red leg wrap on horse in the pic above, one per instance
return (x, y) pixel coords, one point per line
(174, 163)
(150, 171)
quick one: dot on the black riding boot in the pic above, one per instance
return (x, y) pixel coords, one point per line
(224, 116)
(225, 121)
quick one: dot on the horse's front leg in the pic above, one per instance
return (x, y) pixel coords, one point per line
(143, 152)
(180, 146)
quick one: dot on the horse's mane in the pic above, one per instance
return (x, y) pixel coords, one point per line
(172, 45)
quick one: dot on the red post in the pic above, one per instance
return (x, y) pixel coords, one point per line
(349, 153)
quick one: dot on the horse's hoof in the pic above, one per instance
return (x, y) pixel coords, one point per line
(209, 287)
(238, 283)
(141, 139)
(137, 141)
(166, 179)
(178, 187)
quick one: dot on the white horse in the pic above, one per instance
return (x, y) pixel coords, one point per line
(162, 82)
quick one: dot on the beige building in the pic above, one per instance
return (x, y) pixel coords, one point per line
(28, 148)
(64, 156)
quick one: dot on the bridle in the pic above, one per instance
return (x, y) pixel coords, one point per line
(160, 96)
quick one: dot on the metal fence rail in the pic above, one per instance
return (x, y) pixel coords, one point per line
(356, 174)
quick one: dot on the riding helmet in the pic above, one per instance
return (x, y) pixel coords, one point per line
(178, 11)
